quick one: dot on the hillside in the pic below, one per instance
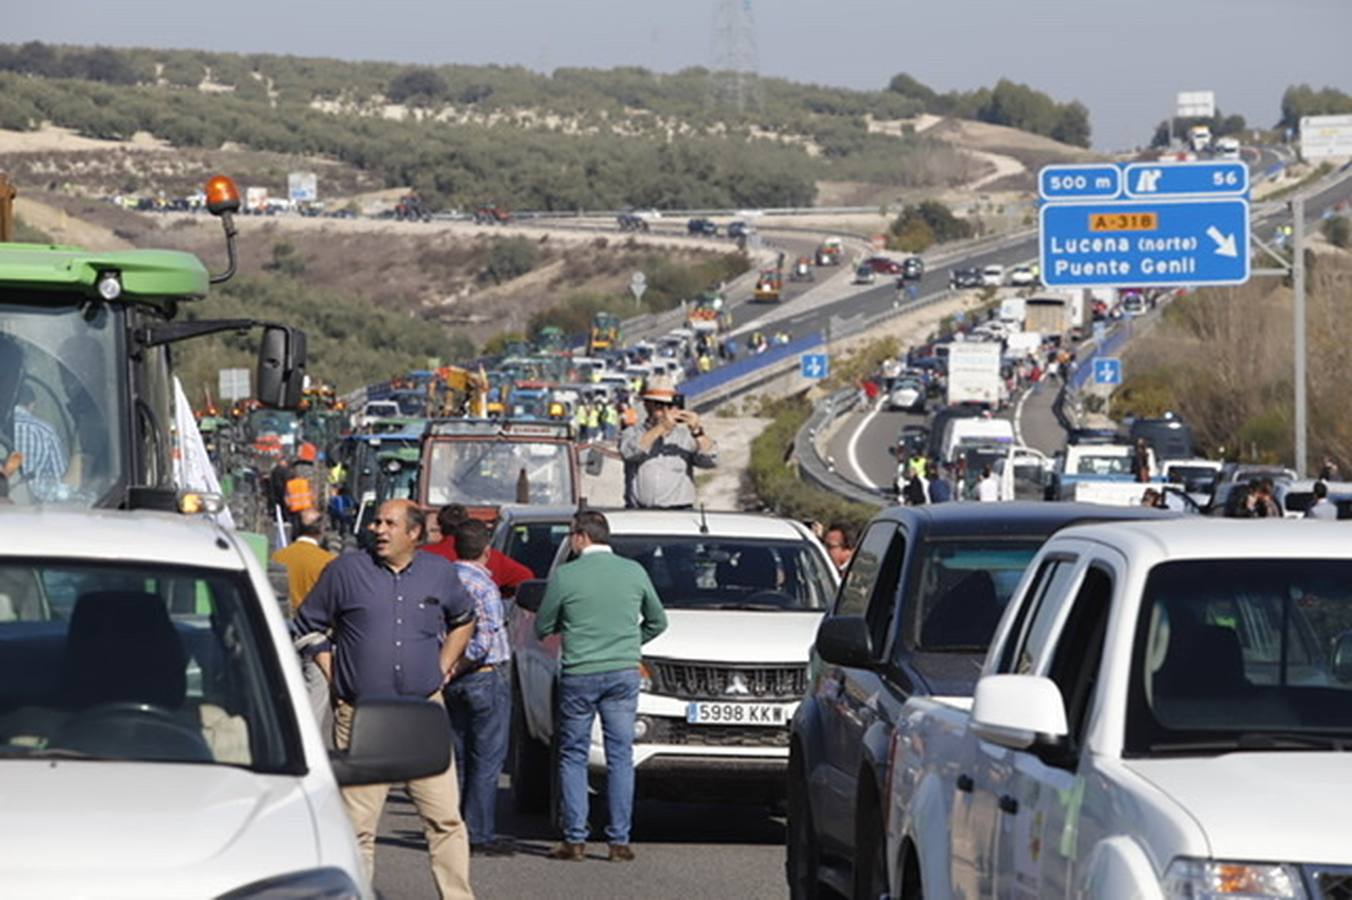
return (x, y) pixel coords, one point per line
(468, 135)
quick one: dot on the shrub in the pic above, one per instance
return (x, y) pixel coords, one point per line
(1338, 231)
(510, 258)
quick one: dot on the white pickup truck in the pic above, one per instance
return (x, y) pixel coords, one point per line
(1166, 712)
(744, 595)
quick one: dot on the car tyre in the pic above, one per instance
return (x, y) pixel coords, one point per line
(870, 873)
(802, 858)
(532, 766)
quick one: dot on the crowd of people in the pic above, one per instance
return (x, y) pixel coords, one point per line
(415, 618)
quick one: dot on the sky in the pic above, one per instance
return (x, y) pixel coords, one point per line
(1125, 61)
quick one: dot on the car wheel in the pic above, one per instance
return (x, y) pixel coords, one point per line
(531, 769)
(802, 858)
(870, 873)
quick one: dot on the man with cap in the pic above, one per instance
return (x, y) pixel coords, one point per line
(662, 453)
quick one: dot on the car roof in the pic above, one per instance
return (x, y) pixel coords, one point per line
(688, 522)
(169, 538)
(1012, 518)
(1192, 537)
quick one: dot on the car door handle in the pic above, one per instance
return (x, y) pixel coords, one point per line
(1008, 804)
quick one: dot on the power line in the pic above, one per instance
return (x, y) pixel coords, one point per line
(733, 72)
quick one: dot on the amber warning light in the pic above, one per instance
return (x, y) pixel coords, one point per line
(222, 195)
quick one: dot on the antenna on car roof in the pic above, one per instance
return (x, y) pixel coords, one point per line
(703, 521)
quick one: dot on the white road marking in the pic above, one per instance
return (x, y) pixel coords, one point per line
(852, 450)
(1018, 417)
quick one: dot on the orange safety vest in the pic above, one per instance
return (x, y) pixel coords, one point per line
(299, 495)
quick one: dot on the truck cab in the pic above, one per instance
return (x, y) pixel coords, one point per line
(484, 464)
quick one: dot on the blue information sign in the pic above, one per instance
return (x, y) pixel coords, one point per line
(1100, 182)
(1143, 181)
(1108, 370)
(814, 365)
(1140, 243)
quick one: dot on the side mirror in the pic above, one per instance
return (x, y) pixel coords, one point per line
(530, 594)
(281, 367)
(394, 741)
(1342, 657)
(595, 462)
(1017, 711)
(845, 641)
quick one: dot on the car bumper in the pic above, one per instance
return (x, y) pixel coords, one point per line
(668, 748)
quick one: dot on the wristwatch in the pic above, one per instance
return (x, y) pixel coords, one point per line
(697, 432)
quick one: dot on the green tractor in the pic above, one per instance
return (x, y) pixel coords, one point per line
(87, 342)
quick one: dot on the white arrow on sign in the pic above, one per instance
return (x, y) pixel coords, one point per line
(1225, 243)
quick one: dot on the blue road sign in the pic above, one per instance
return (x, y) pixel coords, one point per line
(1101, 182)
(1220, 178)
(1108, 370)
(814, 365)
(1141, 243)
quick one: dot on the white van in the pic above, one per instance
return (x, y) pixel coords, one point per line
(972, 432)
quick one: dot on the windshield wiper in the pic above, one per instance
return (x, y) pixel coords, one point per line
(44, 753)
(1258, 740)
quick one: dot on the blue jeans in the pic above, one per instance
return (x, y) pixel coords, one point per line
(615, 696)
(480, 707)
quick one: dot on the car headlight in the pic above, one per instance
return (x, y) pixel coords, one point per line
(1204, 879)
(645, 678)
(327, 884)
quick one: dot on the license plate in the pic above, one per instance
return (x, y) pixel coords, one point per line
(768, 714)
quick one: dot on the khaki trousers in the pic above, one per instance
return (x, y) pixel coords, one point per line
(437, 800)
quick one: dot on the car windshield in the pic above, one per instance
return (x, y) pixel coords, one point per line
(1242, 654)
(61, 401)
(138, 662)
(1095, 464)
(962, 589)
(1202, 476)
(731, 573)
(489, 473)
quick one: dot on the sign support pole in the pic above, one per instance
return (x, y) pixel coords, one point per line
(1298, 288)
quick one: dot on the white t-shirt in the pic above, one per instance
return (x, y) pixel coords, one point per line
(988, 489)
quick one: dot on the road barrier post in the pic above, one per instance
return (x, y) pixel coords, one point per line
(1298, 289)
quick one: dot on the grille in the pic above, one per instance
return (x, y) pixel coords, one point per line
(677, 731)
(1333, 884)
(694, 681)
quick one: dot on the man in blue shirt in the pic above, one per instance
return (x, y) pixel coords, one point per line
(479, 697)
(398, 623)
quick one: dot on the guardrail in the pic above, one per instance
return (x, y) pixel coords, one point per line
(812, 468)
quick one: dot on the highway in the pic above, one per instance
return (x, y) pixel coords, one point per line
(682, 851)
(729, 850)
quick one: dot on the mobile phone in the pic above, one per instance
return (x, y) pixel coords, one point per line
(678, 401)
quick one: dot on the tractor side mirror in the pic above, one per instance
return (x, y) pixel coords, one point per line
(281, 367)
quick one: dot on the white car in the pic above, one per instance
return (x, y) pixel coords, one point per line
(865, 275)
(374, 410)
(993, 276)
(1022, 276)
(908, 394)
(743, 596)
(1163, 713)
(156, 736)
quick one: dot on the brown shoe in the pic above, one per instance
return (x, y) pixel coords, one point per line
(621, 853)
(568, 852)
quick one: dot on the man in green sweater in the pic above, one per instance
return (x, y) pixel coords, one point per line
(606, 608)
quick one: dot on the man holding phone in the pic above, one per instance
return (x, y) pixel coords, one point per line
(662, 452)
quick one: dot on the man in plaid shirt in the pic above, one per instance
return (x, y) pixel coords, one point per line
(478, 695)
(44, 456)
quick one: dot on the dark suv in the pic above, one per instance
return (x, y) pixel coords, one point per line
(914, 617)
(703, 227)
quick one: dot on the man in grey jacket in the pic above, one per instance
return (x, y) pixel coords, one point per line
(662, 453)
